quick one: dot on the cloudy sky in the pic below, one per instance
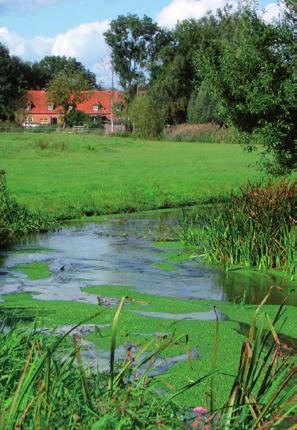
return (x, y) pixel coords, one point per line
(32, 29)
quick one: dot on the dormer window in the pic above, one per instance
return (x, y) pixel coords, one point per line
(50, 107)
(96, 108)
(29, 106)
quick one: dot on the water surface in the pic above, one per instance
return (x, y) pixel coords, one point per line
(121, 251)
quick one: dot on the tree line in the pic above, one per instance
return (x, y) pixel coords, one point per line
(17, 76)
(231, 68)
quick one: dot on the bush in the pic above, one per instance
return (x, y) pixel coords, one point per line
(76, 117)
(146, 117)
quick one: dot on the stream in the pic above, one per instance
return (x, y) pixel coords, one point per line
(121, 251)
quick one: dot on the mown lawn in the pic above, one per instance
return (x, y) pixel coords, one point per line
(70, 175)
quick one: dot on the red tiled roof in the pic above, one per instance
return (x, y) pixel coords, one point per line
(102, 98)
(39, 101)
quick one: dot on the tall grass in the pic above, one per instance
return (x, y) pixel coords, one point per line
(264, 392)
(44, 386)
(255, 228)
(206, 133)
(16, 220)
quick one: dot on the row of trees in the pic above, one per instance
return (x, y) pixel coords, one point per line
(17, 76)
(231, 68)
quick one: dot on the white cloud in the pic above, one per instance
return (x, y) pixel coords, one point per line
(179, 10)
(15, 43)
(272, 12)
(86, 43)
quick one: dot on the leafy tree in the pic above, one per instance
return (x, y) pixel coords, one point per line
(67, 90)
(76, 117)
(174, 78)
(133, 42)
(202, 108)
(146, 117)
(251, 71)
(50, 66)
(13, 83)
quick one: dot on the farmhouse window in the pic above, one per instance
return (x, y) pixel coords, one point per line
(43, 120)
(95, 108)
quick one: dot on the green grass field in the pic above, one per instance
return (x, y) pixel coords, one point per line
(72, 175)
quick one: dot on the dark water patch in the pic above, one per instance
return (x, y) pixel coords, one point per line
(194, 316)
(288, 341)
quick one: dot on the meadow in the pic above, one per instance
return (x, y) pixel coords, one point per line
(72, 175)
(68, 176)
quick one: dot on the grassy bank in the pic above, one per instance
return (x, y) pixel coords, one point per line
(71, 175)
(16, 221)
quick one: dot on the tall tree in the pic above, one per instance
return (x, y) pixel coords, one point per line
(67, 90)
(174, 78)
(50, 66)
(251, 70)
(13, 83)
(133, 42)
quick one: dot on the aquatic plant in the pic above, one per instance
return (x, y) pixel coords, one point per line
(264, 394)
(255, 228)
(45, 384)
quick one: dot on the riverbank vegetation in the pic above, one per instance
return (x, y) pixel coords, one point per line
(16, 221)
(46, 382)
(255, 228)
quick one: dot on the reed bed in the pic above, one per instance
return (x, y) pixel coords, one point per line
(254, 228)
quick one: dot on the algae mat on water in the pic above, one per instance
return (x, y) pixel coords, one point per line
(73, 175)
(33, 271)
(136, 329)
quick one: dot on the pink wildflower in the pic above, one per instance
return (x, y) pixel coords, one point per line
(200, 410)
(196, 423)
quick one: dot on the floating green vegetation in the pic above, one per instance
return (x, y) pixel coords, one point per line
(168, 245)
(138, 329)
(32, 370)
(33, 271)
(35, 250)
(164, 266)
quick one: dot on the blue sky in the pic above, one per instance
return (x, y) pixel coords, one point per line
(34, 28)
